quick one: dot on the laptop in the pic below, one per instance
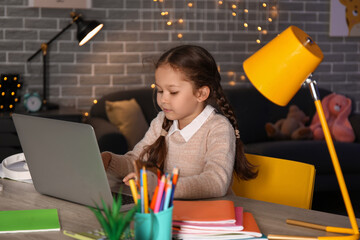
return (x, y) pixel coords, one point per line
(64, 161)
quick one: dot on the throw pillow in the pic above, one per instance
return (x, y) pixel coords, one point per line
(129, 119)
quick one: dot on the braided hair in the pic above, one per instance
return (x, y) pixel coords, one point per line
(199, 67)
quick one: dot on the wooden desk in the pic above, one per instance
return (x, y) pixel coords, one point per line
(74, 217)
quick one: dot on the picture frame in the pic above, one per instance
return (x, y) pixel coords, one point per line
(344, 18)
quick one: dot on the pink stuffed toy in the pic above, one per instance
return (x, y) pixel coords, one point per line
(337, 109)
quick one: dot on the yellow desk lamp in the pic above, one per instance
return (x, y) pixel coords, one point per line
(278, 70)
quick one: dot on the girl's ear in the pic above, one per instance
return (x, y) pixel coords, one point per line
(203, 93)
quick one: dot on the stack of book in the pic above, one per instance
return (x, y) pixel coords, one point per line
(218, 219)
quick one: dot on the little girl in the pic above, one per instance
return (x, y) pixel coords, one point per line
(189, 133)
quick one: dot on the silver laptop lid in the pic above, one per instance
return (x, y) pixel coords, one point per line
(64, 159)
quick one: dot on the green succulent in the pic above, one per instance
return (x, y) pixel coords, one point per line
(116, 224)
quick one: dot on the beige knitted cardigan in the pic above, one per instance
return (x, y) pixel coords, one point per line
(205, 162)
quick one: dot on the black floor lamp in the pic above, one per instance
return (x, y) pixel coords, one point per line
(86, 30)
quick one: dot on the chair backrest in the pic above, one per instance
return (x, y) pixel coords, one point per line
(279, 181)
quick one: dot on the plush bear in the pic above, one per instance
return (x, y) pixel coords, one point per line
(337, 109)
(291, 127)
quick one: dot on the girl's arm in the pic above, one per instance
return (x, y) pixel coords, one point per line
(122, 165)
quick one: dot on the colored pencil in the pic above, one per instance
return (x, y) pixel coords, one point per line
(174, 182)
(153, 200)
(142, 191)
(133, 190)
(145, 186)
(168, 193)
(160, 194)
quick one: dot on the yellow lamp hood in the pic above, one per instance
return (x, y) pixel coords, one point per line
(279, 68)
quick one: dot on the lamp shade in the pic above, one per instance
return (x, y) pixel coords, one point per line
(86, 30)
(279, 68)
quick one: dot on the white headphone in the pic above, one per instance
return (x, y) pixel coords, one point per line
(15, 167)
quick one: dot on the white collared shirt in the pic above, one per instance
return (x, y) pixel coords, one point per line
(188, 131)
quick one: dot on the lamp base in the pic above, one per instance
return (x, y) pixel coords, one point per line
(49, 106)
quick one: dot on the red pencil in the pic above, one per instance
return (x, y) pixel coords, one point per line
(153, 200)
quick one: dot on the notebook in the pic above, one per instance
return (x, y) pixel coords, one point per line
(33, 220)
(64, 160)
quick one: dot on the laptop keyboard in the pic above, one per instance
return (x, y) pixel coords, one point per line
(126, 199)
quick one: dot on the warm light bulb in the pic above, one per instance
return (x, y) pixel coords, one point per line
(246, 10)
(230, 74)
(258, 41)
(91, 34)
(5, 78)
(190, 4)
(233, 6)
(0, 85)
(152, 85)
(19, 85)
(86, 114)
(11, 106)
(242, 77)
(220, 2)
(264, 4)
(270, 19)
(3, 94)
(2, 106)
(264, 32)
(15, 78)
(180, 35)
(234, 14)
(95, 101)
(164, 13)
(169, 23)
(12, 93)
(181, 20)
(246, 25)
(232, 83)
(259, 28)
(16, 100)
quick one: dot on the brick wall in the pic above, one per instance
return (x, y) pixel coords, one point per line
(121, 56)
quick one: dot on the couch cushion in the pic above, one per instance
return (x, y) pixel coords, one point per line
(128, 117)
(144, 97)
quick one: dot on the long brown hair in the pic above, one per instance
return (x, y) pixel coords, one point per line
(199, 67)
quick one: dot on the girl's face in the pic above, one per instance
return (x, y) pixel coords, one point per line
(177, 97)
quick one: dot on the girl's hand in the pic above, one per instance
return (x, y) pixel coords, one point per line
(128, 177)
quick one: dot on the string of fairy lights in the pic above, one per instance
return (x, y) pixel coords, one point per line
(248, 15)
(183, 16)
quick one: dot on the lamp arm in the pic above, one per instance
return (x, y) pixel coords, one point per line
(335, 161)
(50, 41)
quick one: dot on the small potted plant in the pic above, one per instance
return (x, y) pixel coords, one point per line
(115, 224)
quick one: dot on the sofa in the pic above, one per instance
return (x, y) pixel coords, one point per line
(253, 111)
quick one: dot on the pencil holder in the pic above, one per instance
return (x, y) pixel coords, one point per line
(153, 226)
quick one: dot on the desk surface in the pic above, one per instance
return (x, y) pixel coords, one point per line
(74, 217)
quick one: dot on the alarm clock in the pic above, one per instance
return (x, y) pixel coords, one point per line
(32, 102)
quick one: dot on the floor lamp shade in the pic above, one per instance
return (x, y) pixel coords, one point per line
(86, 30)
(279, 68)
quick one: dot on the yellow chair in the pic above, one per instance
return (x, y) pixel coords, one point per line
(279, 181)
